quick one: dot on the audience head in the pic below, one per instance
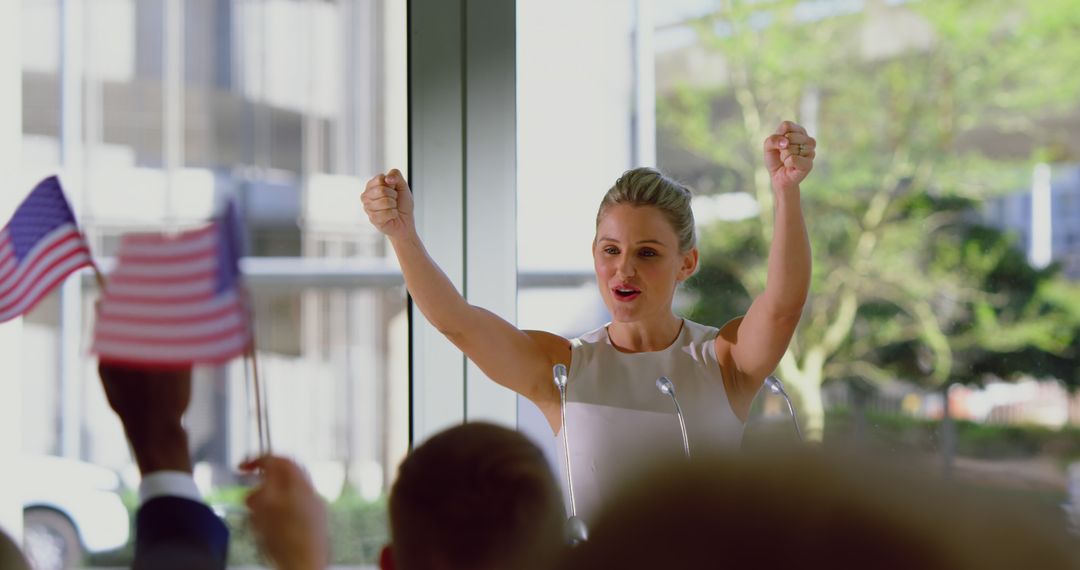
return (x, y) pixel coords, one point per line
(475, 496)
(810, 510)
(11, 557)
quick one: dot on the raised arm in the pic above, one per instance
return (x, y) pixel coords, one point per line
(519, 360)
(754, 344)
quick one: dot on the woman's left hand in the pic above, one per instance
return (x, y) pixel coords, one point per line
(789, 156)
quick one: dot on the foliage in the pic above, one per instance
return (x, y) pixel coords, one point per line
(358, 530)
(901, 433)
(916, 130)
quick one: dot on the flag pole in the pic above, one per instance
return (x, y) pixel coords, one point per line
(99, 277)
(260, 420)
(261, 393)
(261, 414)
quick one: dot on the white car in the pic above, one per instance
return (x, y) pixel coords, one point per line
(70, 509)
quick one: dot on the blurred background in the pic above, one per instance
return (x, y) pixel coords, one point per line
(944, 212)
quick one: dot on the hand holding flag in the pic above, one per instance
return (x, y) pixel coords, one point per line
(174, 301)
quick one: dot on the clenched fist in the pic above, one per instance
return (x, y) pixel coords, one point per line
(388, 203)
(789, 156)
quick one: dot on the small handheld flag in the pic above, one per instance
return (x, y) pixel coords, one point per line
(175, 301)
(39, 248)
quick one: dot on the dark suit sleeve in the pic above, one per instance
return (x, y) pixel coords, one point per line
(177, 533)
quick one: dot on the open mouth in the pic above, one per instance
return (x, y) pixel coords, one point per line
(625, 292)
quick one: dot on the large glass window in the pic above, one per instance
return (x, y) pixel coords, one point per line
(937, 211)
(156, 112)
(942, 321)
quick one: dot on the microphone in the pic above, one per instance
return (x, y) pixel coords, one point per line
(667, 388)
(576, 531)
(777, 387)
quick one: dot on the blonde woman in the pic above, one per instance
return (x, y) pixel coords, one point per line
(643, 249)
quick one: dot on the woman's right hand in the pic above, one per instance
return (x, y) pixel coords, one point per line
(388, 203)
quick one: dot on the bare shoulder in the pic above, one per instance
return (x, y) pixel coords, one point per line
(728, 337)
(739, 398)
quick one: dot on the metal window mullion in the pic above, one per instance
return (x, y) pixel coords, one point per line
(436, 172)
(490, 186)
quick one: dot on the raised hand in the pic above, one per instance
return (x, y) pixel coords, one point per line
(151, 405)
(789, 156)
(388, 203)
(288, 518)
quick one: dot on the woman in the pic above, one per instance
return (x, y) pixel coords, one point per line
(644, 247)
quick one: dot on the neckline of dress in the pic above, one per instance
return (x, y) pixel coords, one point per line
(682, 331)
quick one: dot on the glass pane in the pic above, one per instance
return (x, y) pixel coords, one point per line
(182, 106)
(940, 225)
(942, 209)
(572, 144)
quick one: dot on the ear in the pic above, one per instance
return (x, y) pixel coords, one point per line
(386, 558)
(689, 264)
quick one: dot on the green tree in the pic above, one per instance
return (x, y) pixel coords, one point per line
(924, 110)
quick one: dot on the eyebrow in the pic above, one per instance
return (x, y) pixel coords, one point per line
(613, 240)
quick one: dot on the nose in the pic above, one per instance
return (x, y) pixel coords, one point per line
(625, 266)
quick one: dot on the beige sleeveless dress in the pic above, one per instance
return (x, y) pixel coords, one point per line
(616, 418)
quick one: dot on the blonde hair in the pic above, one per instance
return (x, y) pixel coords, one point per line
(646, 186)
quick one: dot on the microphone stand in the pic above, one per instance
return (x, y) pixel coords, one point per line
(667, 388)
(576, 531)
(776, 387)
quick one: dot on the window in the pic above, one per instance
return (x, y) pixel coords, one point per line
(178, 106)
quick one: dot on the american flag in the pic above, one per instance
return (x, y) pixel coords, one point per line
(175, 300)
(39, 248)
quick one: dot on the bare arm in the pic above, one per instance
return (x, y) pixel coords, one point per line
(519, 360)
(758, 342)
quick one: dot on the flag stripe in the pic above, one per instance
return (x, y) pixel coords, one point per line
(130, 279)
(155, 238)
(166, 260)
(143, 339)
(171, 271)
(52, 246)
(141, 248)
(74, 252)
(200, 288)
(6, 251)
(170, 355)
(170, 329)
(45, 251)
(148, 299)
(176, 312)
(7, 262)
(46, 284)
